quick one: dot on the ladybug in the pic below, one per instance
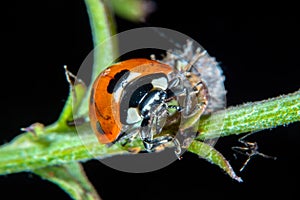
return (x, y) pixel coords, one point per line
(133, 97)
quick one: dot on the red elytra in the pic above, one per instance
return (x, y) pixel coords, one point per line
(104, 107)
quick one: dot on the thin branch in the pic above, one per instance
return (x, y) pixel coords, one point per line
(252, 117)
(27, 153)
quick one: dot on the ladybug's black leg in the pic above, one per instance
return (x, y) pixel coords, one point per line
(160, 121)
(160, 117)
(148, 129)
(158, 141)
(145, 132)
(127, 136)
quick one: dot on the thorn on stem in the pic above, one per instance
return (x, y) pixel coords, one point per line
(36, 129)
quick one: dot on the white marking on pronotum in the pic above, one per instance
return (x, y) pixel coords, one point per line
(133, 116)
(161, 83)
(123, 83)
(148, 106)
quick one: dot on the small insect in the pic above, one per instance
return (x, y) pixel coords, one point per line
(249, 149)
(134, 97)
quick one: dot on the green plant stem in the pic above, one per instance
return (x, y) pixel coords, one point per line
(252, 117)
(105, 50)
(26, 153)
(71, 178)
(206, 151)
(133, 10)
(49, 150)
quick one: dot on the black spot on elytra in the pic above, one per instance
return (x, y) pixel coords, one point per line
(138, 94)
(114, 81)
(99, 128)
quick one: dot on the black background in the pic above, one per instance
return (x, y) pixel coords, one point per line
(260, 59)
